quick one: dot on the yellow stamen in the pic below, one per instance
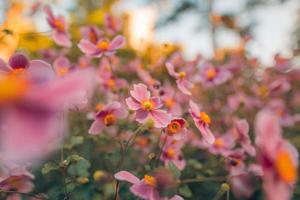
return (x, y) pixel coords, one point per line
(263, 91)
(59, 25)
(182, 75)
(211, 73)
(173, 128)
(62, 71)
(148, 105)
(111, 83)
(219, 143)
(150, 180)
(12, 88)
(103, 45)
(205, 117)
(99, 106)
(109, 119)
(169, 103)
(285, 167)
(170, 153)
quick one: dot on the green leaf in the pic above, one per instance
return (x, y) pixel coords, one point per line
(175, 171)
(185, 191)
(49, 167)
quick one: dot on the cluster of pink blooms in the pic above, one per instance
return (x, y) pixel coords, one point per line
(204, 104)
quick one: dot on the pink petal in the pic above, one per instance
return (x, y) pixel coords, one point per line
(194, 108)
(127, 176)
(40, 70)
(96, 127)
(140, 92)
(171, 70)
(142, 190)
(184, 86)
(132, 104)
(87, 47)
(141, 115)
(161, 118)
(61, 38)
(117, 42)
(206, 133)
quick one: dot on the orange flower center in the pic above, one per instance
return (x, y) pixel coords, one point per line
(205, 117)
(148, 105)
(150, 180)
(173, 128)
(111, 83)
(170, 153)
(211, 73)
(62, 71)
(169, 103)
(15, 182)
(182, 75)
(109, 119)
(219, 143)
(12, 88)
(103, 45)
(263, 91)
(285, 167)
(59, 25)
(99, 106)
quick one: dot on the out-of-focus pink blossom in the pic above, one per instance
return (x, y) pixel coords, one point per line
(59, 28)
(107, 117)
(147, 107)
(202, 122)
(102, 47)
(181, 80)
(112, 24)
(277, 157)
(212, 76)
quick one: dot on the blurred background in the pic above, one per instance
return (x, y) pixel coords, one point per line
(199, 26)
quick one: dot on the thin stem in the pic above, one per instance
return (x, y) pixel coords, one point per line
(212, 25)
(161, 150)
(219, 194)
(62, 159)
(129, 142)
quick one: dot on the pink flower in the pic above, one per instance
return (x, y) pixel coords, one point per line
(202, 122)
(107, 117)
(172, 100)
(172, 153)
(182, 83)
(32, 104)
(147, 107)
(101, 47)
(241, 133)
(59, 27)
(147, 188)
(211, 76)
(277, 157)
(223, 145)
(177, 128)
(112, 24)
(91, 33)
(62, 66)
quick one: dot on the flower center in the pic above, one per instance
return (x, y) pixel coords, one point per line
(182, 74)
(103, 45)
(285, 167)
(59, 25)
(148, 105)
(263, 91)
(170, 153)
(169, 103)
(211, 73)
(173, 128)
(109, 119)
(99, 106)
(111, 83)
(12, 88)
(205, 117)
(219, 143)
(150, 180)
(62, 71)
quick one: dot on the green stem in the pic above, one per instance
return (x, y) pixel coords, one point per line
(204, 179)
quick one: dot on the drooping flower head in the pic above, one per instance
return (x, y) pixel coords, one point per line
(181, 80)
(277, 157)
(102, 47)
(147, 107)
(177, 128)
(107, 116)
(59, 27)
(202, 121)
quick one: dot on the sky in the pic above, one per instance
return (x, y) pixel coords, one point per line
(272, 33)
